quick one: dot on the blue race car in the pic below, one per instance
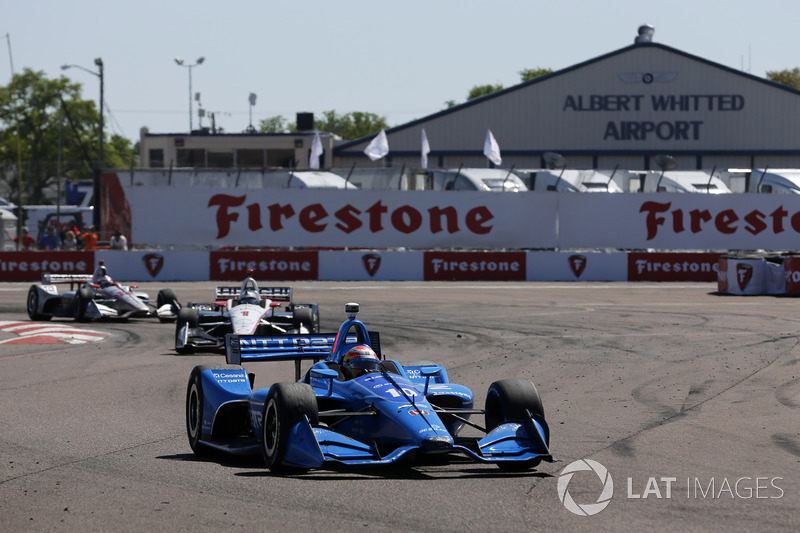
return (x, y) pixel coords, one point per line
(353, 407)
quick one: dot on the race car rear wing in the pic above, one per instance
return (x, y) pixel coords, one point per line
(252, 348)
(48, 278)
(245, 348)
(276, 294)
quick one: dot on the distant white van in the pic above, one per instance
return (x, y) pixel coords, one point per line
(476, 179)
(572, 180)
(689, 181)
(777, 181)
(309, 179)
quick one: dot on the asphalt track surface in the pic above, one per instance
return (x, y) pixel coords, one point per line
(689, 399)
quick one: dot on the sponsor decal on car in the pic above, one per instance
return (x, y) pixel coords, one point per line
(228, 377)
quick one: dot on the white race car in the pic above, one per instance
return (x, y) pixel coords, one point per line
(96, 296)
(245, 310)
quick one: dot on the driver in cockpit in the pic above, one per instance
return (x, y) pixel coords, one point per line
(249, 297)
(101, 276)
(248, 294)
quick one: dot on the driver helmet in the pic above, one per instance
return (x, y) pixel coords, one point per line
(358, 361)
(101, 275)
(250, 297)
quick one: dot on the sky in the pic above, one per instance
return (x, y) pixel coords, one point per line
(399, 60)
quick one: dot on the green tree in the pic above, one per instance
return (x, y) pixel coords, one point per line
(33, 101)
(482, 90)
(786, 77)
(276, 124)
(352, 125)
(528, 74)
(118, 152)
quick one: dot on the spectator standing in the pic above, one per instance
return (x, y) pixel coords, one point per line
(50, 241)
(27, 242)
(89, 238)
(70, 243)
(118, 241)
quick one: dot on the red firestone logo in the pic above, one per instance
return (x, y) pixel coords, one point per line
(153, 263)
(372, 263)
(577, 263)
(744, 273)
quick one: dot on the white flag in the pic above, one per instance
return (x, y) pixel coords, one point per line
(491, 149)
(316, 152)
(426, 149)
(378, 147)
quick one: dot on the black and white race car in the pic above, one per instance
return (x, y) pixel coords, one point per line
(245, 310)
(96, 296)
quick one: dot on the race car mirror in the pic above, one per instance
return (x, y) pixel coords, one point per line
(325, 374)
(429, 372)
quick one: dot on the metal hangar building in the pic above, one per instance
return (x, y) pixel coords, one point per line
(622, 109)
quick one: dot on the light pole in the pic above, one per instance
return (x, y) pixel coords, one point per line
(98, 171)
(179, 61)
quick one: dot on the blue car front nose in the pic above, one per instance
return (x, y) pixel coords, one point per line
(436, 444)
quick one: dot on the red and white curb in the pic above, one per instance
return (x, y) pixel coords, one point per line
(48, 333)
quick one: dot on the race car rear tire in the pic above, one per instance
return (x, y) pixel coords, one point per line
(187, 316)
(82, 299)
(286, 404)
(194, 406)
(33, 305)
(166, 296)
(508, 400)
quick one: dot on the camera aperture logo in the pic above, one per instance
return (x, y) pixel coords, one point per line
(658, 487)
(585, 509)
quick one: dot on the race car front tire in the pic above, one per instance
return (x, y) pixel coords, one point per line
(33, 305)
(82, 299)
(308, 317)
(166, 296)
(286, 404)
(187, 316)
(194, 406)
(508, 400)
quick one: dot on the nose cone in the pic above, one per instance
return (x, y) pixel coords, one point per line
(436, 444)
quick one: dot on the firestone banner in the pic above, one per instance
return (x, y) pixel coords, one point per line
(29, 266)
(664, 221)
(429, 220)
(292, 218)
